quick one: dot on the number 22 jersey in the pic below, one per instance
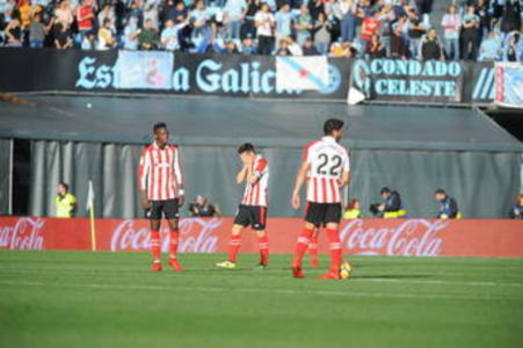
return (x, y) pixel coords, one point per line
(328, 160)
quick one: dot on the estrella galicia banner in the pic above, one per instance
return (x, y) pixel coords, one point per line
(143, 70)
(409, 80)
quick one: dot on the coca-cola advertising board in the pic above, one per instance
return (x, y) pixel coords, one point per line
(401, 237)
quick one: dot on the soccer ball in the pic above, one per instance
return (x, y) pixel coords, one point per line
(345, 271)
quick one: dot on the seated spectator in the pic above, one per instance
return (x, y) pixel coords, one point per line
(513, 50)
(231, 47)
(451, 24)
(248, 46)
(490, 49)
(353, 210)
(148, 37)
(63, 39)
(303, 25)
(283, 48)
(398, 44)
(342, 50)
(516, 212)
(431, 47)
(131, 33)
(169, 37)
(89, 41)
(375, 49)
(448, 208)
(294, 47)
(201, 207)
(106, 37)
(13, 32)
(390, 207)
(309, 49)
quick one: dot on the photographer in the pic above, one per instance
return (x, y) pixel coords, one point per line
(390, 207)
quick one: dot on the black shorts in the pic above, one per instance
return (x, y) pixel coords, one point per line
(170, 209)
(320, 214)
(253, 215)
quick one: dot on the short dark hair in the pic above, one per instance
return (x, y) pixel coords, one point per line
(440, 191)
(159, 125)
(331, 125)
(66, 187)
(246, 147)
(384, 190)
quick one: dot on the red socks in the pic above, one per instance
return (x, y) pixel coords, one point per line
(234, 247)
(155, 245)
(335, 249)
(301, 246)
(313, 246)
(263, 246)
(173, 243)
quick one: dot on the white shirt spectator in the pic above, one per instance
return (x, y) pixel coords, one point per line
(266, 18)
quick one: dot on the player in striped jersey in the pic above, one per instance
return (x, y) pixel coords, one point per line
(160, 181)
(253, 207)
(325, 167)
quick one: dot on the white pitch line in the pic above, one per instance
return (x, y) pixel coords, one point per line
(293, 292)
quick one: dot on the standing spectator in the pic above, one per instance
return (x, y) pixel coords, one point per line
(482, 10)
(283, 19)
(375, 48)
(512, 51)
(200, 18)
(416, 29)
(309, 49)
(65, 201)
(64, 14)
(106, 36)
(398, 44)
(264, 22)
(315, 8)
(85, 18)
(38, 31)
(234, 13)
(26, 11)
(303, 25)
(451, 24)
(322, 36)
(490, 49)
(151, 11)
(516, 212)
(248, 28)
(431, 47)
(107, 12)
(169, 10)
(148, 37)
(511, 17)
(469, 35)
(369, 27)
(180, 13)
(13, 32)
(131, 33)
(349, 12)
(448, 206)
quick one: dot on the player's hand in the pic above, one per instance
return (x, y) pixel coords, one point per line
(146, 204)
(296, 201)
(181, 200)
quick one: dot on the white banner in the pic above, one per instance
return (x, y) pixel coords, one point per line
(509, 84)
(301, 73)
(144, 70)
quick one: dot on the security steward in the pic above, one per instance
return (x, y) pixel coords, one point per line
(65, 202)
(449, 207)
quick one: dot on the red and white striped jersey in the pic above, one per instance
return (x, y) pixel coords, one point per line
(160, 172)
(256, 194)
(328, 160)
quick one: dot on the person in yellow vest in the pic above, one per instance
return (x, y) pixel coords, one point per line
(449, 207)
(353, 210)
(391, 206)
(65, 202)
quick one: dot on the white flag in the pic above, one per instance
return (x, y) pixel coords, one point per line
(302, 73)
(355, 96)
(90, 196)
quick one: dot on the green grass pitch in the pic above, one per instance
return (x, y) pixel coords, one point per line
(82, 299)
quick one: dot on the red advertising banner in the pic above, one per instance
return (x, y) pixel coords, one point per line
(404, 237)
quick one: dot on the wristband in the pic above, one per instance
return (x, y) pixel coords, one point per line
(181, 192)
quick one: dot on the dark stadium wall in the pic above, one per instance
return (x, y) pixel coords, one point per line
(484, 183)
(6, 172)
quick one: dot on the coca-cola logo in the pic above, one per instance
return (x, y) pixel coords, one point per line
(24, 234)
(413, 237)
(196, 236)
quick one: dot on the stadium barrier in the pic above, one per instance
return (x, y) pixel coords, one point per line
(401, 237)
(114, 71)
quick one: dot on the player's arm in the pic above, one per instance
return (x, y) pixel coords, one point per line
(178, 175)
(345, 175)
(257, 173)
(298, 184)
(143, 173)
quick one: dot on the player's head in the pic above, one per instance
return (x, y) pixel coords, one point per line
(161, 133)
(63, 188)
(246, 152)
(440, 194)
(334, 128)
(385, 192)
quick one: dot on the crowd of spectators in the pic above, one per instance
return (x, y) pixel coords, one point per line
(471, 29)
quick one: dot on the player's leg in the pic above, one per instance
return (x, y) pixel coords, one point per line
(332, 220)
(234, 247)
(313, 248)
(313, 212)
(171, 210)
(259, 218)
(156, 245)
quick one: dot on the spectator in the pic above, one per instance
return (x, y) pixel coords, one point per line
(63, 14)
(169, 36)
(431, 47)
(249, 28)
(264, 22)
(398, 44)
(416, 28)
(231, 48)
(106, 36)
(234, 13)
(63, 39)
(451, 24)
(13, 32)
(107, 12)
(342, 50)
(283, 48)
(369, 27)
(469, 35)
(294, 47)
(309, 49)
(511, 17)
(151, 12)
(248, 46)
(26, 11)
(490, 49)
(170, 10)
(89, 41)
(353, 210)
(303, 25)
(201, 207)
(65, 201)
(148, 37)
(38, 31)
(513, 50)
(131, 34)
(283, 19)
(85, 18)
(516, 212)
(349, 17)
(322, 35)
(448, 206)
(391, 206)
(375, 48)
